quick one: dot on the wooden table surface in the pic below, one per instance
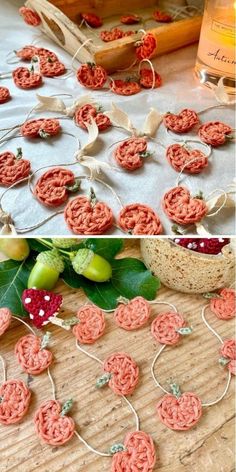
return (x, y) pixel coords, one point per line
(103, 418)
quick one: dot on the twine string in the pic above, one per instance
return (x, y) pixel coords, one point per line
(152, 69)
(26, 324)
(214, 402)
(151, 302)
(92, 356)
(159, 302)
(38, 225)
(191, 161)
(77, 52)
(212, 107)
(4, 368)
(209, 326)
(153, 367)
(95, 451)
(52, 383)
(204, 404)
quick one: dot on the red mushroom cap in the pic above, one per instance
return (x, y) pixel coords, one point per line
(41, 305)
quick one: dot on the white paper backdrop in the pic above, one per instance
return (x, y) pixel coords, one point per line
(147, 185)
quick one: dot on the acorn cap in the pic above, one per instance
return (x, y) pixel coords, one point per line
(64, 243)
(82, 260)
(51, 259)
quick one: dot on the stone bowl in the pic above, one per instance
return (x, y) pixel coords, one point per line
(187, 271)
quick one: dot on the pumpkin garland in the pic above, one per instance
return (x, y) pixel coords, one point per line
(177, 411)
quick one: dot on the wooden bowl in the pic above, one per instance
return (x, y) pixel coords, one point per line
(188, 271)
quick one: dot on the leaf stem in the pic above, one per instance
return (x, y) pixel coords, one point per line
(46, 243)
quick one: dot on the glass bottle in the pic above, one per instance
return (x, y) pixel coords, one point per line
(216, 51)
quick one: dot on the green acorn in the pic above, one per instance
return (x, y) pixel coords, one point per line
(15, 248)
(91, 265)
(46, 270)
(64, 243)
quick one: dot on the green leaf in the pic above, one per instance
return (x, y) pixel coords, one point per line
(130, 278)
(13, 280)
(107, 248)
(103, 294)
(36, 246)
(70, 277)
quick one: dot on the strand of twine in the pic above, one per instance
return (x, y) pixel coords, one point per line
(209, 326)
(222, 342)
(212, 107)
(77, 52)
(151, 302)
(52, 383)
(204, 404)
(92, 356)
(84, 22)
(33, 43)
(31, 111)
(159, 302)
(26, 324)
(137, 421)
(152, 69)
(11, 58)
(186, 141)
(173, 136)
(4, 368)
(3, 138)
(184, 9)
(152, 369)
(105, 454)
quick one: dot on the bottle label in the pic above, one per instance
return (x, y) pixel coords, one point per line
(216, 47)
(222, 28)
